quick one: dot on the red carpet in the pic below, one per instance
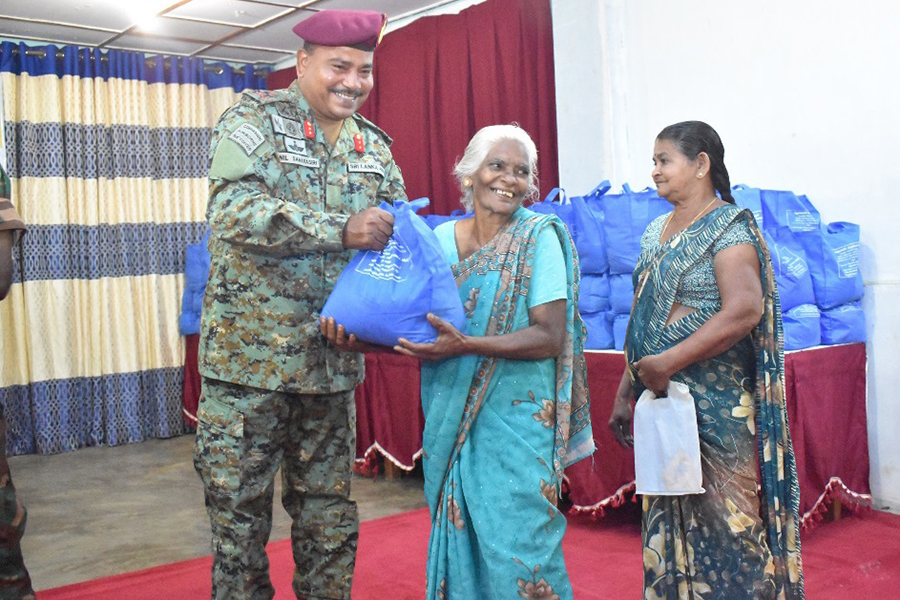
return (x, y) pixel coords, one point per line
(856, 557)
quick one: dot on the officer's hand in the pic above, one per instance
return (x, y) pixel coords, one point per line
(336, 334)
(368, 230)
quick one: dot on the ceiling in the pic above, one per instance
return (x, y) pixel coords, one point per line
(245, 31)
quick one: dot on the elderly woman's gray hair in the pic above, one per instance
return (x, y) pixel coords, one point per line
(477, 151)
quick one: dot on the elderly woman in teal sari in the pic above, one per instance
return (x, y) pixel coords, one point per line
(706, 314)
(505, 402)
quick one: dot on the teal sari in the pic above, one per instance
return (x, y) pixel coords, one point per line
(731, 542)
(499, 432)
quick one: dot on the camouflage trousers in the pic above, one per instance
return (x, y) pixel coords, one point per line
(244, 435)
(15, 583)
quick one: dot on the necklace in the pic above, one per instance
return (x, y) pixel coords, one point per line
(671, 214)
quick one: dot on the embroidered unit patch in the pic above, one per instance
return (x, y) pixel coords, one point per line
(248, 137)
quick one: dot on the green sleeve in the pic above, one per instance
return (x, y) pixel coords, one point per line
(392, 188)
(244, 208)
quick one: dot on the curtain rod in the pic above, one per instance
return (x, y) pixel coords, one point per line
(217, 69)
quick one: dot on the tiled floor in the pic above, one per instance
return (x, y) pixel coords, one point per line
(103, 511)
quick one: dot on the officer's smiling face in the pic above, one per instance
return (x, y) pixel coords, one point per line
(335, 81)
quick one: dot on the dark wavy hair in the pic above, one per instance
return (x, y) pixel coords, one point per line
(693, 137)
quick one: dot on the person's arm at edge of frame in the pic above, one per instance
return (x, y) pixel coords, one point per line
(6, 266)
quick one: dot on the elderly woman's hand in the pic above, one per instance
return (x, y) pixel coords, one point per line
(450, 342)
(338, 337)
(654, 372)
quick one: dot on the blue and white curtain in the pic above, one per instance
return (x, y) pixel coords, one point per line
(107, 153)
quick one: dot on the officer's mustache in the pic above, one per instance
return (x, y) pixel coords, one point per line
(346, 92)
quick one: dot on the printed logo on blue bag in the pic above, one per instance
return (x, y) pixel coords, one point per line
(847, 260)
(791, 263)
(391, 264)
(802, 220)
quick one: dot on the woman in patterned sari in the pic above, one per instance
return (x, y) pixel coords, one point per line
(505, 402)
(706, 314)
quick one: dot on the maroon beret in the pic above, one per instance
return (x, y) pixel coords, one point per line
(342, 28)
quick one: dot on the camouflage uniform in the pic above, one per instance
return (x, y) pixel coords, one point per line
(274, 393)
(15, 583)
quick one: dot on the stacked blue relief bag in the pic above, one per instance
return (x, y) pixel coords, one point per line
(843, 324)
(840, 286)
(383, 296)
(583, 218)
(824, 306)
(832, 254)
(802, 327)
(835, 265)
(796, 223)
(751, 199)
(791, 268)
(196, 275)
(625, 217)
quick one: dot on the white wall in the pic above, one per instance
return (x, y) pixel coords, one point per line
(806, 97)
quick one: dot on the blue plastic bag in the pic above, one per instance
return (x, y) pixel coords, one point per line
(599, 331)
(621, 293)
(786, 209)
(593, 295)
(383, 296)
(802, 327)
(196, 276)
(583, 223)
(749, 198)
(626, 216)
(434, 220)
(834, 265)
(792, 273)
(588, 235)
(551, 206)
(562, 208)
(620, 328)
(844, 324)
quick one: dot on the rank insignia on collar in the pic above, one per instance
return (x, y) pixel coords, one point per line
(309, 130)
(359, 143)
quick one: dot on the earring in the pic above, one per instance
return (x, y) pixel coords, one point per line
(467, 182)
(699, 175)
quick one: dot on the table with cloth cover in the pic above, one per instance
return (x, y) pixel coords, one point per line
(826, 395)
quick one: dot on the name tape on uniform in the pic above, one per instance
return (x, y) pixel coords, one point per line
(294, 145)
(248, 137)
(298, 159)
(365, 167)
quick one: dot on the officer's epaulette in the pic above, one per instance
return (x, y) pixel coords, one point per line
(364, 122)
(264, 96)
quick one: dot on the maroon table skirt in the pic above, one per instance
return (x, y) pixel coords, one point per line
(826, 398)
(826, 395)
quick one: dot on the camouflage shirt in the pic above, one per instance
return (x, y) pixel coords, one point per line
(279, 197)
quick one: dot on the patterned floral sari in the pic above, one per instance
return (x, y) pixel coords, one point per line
(730, 542)
(499, 432)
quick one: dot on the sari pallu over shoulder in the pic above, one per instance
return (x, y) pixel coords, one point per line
(656, 284)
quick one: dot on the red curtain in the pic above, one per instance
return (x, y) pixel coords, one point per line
(441, 78)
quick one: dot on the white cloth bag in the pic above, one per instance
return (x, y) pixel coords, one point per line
(667, 444)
